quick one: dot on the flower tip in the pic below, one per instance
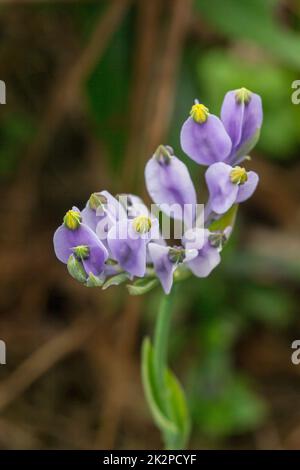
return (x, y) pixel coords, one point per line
(238, 175)
(72, 219)
(242, 95)
(176, 254)
(96, 201)
(163, 154)
(199, 113)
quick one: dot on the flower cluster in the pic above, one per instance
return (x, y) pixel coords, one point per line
(114, 239)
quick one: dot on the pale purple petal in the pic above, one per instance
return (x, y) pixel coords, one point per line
(243, 121)
(247, 189)
(232, 114)
(207, 142)
(195, 238)
(222, 192)
(171, 188)
(95, 262)
(135, 205)
(89, 217)
(164, 268)
(111, 212)
(208, 258)
(129, 252)
(66, 240)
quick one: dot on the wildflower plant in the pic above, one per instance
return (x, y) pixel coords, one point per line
(118, 239)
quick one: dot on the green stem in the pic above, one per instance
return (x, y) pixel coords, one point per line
(163, 392)
(161, 334)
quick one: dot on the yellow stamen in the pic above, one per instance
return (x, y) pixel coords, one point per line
(238, 175)
(72, 219)
(199, 113)
(142, 224)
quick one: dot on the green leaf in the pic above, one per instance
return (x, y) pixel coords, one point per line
(115, 280)
(256, 21)
(76, 269)
(94, 281)
(227, 220)
(142, 286)
(177, 407)
(151, 391)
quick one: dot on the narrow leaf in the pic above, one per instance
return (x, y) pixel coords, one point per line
(76, 269)
(227, 220)
(150, 388)
(94, 281)
(115, 280)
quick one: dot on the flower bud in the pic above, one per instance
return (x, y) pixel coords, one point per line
(76, 269)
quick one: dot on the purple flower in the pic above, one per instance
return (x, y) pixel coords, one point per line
(166, 259)
(229, 185)
(207, 140)
(208, 256)
(76, 238)
(203, 137)
(242, 117)
(170, 186)
(127, 241)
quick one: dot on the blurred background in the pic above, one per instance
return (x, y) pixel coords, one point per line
(92, 88)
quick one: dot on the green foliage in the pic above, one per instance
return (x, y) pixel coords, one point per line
(253, 20)
(115, 280)
(173, 418)
(233, 409)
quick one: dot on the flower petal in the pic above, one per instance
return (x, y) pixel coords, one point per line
(243, 121)
(111, 211)
(128, 251)
(222, 192)
(66, 240)
(206, 142)
(247, 189)
(171, 188)
(208, 258)
(164, 268)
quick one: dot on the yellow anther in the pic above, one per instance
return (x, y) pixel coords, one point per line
(199, 113)
(238, 175)
(72, 219)
(142, 224)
